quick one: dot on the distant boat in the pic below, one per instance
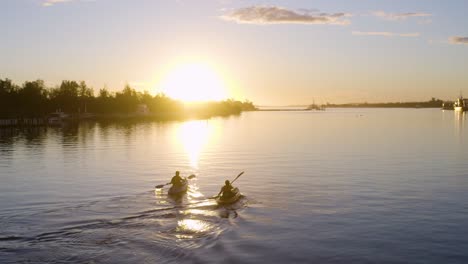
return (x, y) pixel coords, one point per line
(316, 107)
(57, 118)
(461, 104)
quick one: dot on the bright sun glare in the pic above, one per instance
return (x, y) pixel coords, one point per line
(194, 82)
(193, 136)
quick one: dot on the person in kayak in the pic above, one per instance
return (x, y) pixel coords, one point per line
(226, 190)
(177, 180)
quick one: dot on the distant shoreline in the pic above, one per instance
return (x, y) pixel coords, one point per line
(433, 103)
(364, 106)
(343, 107)
(115, 118)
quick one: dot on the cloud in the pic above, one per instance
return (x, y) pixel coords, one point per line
(399, 16)
(425, 21)
(48, 3)
(384, 34)
(458, 40)
(53, 2)
(262, 15)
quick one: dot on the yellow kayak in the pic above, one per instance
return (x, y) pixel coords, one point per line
(175, 190)
(229, 200)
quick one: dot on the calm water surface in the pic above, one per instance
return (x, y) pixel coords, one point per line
(340, 186)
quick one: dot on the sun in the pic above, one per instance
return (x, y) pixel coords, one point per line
(194, 82)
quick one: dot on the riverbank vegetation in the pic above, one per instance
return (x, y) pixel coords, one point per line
(34, 99)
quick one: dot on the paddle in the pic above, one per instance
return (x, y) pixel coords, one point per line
(214, 197)
(237, 177)
(162, 185)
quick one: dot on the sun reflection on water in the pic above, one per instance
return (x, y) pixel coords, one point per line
(187, 228)
(194, 135)
(194, 192)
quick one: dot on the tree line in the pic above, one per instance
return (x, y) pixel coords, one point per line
(34, 99)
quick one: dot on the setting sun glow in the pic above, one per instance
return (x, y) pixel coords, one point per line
(194, 82)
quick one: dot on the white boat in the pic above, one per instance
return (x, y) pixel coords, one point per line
(461, 104)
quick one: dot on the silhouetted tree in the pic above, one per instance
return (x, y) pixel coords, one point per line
(127, 100)
(161, 103)
(85, 95)
(66, 97)
(8, 98)
(103, 104)
(32, 99)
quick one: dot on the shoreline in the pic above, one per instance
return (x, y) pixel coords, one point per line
(161, 117)
(167, 116)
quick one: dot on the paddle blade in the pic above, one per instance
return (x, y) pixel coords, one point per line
(237, 177)
(191, 176)
(161, 185)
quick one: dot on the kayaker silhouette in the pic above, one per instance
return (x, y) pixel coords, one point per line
(226, 190)
(177, 180)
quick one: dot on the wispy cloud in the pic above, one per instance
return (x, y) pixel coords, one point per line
(425, 21)
(458, 40)
(399, 16)
(262, 15)
(53, 2)
(384, 34)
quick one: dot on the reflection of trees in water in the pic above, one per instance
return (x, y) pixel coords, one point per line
(74, 133)
(8, 138)
(69, 135)
(31, 138)
(126, 128)
(103, 129)
(12, 135)
(85, 132)
(8, 134)
(34, 134)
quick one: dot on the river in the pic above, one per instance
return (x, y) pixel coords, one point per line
(335, 186)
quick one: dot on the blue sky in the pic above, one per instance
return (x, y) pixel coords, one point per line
(271, 52)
